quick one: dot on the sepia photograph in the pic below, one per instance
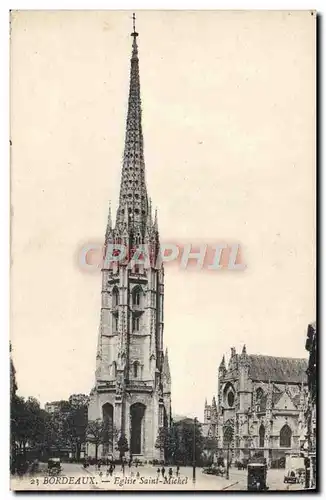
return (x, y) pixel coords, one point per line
(163, 250)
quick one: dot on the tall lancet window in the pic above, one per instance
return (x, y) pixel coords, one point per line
(135, 323)
(262, 436)
(115, 297)
(285, 436)
(136, 369)
(136, 297)
(115, 321)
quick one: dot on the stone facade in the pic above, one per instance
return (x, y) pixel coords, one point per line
(133, 383)
(263, 400)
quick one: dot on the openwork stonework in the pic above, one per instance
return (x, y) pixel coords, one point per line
(133, 388)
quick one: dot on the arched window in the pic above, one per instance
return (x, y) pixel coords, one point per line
(135, 323)
(114, 369)
(115, 320)
(230, 398)
(261, 436)
(285, 437)
(136, 365)
(115, 297)
(136, 294)
(259, 394)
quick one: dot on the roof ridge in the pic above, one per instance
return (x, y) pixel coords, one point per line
(277, 357)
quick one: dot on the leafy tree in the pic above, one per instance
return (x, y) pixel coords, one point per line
(182, 441)
(95, 433)
(76, 422)
(27, 424)
(172, 442)
(210, 448)
(122, 445)
(161, 438)
(167, 442)
(78, 401)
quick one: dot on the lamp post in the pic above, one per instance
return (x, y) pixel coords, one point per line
(194, 454)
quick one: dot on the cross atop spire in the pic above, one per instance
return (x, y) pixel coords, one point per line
(134, 32)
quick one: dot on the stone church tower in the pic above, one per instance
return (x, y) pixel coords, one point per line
(132, 394)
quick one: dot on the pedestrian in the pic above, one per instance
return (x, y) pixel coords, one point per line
(138, 474)
(163, 471)
(158, 472)
(178, 470)
(170, 471)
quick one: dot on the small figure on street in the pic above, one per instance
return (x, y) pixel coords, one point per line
(158, 472)
(111, 469)
(138, 474)
(170, 471)
(178, 470)
(163, 471)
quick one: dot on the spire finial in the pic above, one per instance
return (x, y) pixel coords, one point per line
(155, 219)
(110, 215)
(134, 32)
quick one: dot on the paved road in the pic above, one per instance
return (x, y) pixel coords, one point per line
(75, 477)
(275, 480)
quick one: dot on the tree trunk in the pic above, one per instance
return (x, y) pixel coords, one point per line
(96, 451)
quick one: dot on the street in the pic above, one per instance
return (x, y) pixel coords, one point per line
(75, 477)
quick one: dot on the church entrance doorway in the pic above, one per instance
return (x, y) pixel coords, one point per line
(108, 434)
(137, 413)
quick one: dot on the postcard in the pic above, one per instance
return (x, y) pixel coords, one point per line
(163, 239)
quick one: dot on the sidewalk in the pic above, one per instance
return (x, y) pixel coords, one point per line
(149, 479)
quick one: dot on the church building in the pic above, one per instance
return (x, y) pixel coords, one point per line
(261, 403)
(132, 394)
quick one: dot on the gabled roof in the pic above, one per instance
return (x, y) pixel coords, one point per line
(276, 397)
(277, 369)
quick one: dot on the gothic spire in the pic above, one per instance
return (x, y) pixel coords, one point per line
(133, 187)
(166, 365)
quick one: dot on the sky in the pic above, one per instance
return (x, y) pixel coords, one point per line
(228, 104)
